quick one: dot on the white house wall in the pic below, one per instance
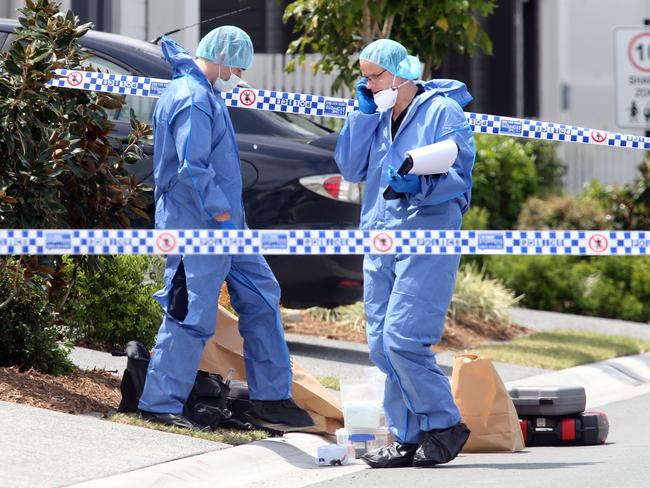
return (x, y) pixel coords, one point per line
(148, 19)
(577, 55)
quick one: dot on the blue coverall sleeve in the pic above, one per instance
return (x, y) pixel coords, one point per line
(354, 144)
(437, 189)
(192, 130)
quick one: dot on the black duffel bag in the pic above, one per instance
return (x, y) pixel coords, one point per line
(208, 401)
(134, 375)
(207, 404)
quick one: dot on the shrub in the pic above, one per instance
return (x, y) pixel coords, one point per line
(603, 286)
(550, 169)
(59, 168)
(114, 305)
(351, 316)
(627, 206)
(617, 287)
(543, 280)
(563, 212)
(507, 172)
(28, 336)
(476, 218)
(478, 297)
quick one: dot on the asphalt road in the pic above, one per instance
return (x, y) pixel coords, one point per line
(622, 462)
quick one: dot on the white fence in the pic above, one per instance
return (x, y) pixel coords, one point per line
(610, 166)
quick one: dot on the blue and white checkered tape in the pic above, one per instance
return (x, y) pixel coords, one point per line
(317, 242)
(302, 104)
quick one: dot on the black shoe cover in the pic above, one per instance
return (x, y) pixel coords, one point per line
(394, 455)
(281, 415)
(439, 446)
(171, 419)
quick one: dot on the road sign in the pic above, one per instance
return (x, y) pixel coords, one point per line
(632, 53)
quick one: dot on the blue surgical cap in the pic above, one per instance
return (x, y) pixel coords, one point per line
(393, 57)
(227, 45)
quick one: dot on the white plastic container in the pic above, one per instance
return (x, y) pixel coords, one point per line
(363, 415)
(342, 436)
(362, 400)
(335, 455)
(368, 388)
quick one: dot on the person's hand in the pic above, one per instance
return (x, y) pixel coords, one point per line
(403, 184)
(366, 101)
(222, 217)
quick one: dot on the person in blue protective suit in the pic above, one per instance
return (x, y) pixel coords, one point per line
(407, 296)
(199, 186)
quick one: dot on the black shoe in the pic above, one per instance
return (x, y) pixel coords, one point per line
(171, 419)
(279, 415)
(394, 455)
(439, 446)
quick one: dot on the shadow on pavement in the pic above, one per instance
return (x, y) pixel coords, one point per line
(291, 454)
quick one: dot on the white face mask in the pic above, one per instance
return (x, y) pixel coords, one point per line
(226, 85)
(386, 99)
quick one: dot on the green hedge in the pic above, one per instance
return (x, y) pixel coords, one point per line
(114, 305)
(28, 335)
(604, 286)
(507, 172)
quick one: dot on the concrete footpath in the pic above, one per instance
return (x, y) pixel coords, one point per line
(45, 448)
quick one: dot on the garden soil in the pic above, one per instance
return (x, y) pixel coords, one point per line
(98, 391)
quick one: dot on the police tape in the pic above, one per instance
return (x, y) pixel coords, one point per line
(319, 242)
(301, 104)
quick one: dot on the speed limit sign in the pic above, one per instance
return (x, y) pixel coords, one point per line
(632, 51)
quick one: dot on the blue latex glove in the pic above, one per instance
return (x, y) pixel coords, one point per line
(226, 225)
(403, 184)
(366, 101)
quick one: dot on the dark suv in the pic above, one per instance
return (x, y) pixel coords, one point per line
(290, 180)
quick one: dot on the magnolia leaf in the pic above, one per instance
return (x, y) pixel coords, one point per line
(443, 24)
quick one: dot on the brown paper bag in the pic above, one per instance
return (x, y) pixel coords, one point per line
(485, 406)
(225, 350)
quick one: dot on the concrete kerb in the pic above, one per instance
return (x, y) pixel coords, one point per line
(604, 382)
(286, 462)
(289, 462)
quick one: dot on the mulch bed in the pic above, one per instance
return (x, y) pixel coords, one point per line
(98, 391)
(457, 335)
(81, 392)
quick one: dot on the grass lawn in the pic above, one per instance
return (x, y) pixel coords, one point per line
(226, 436)
(562, 349)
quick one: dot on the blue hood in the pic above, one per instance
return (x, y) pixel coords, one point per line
(180, 59)
(453, 89)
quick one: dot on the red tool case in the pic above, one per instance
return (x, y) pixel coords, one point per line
(586, 428)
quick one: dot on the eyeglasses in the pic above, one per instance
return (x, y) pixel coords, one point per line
(375, 78)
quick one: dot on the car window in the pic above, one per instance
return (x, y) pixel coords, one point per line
(247, 121)
(142, 106)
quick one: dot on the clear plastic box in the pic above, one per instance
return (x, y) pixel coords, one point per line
(362, 400)
(363, 440)
(363, 415)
